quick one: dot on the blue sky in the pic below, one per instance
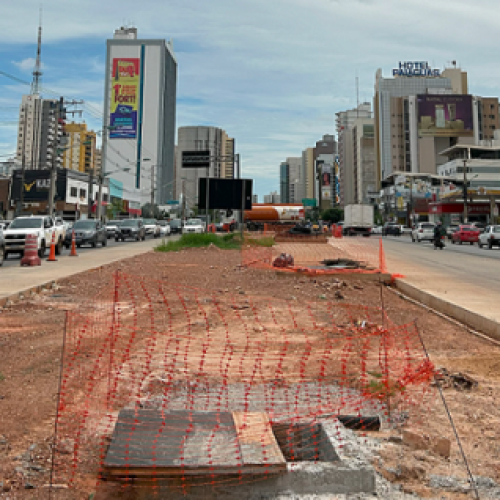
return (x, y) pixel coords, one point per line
(271, 73)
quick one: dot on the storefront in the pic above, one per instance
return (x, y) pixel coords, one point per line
(453, 212)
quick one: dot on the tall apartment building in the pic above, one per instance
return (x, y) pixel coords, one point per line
(284, 182)
(307, 173)
(80, 153)
(344, 121)
(200, 138)
(40, 132)
(296, 182)
(272, 197)
(325, 154)
(139, 115)
(488, 119)
(98, 161)
(363, 161)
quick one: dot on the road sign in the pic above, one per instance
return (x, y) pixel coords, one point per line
(172, 202)
(309, 202)
(196, 159)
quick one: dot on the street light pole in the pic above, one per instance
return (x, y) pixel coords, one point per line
(466, 215)
(152, 186)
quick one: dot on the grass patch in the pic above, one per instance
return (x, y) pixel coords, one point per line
(226, 242)
(2, 378)
(268, 241)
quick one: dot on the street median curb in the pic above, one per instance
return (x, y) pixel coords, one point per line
(489, 327)
(26, 292)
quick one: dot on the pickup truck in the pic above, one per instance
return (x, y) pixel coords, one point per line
(41, 225)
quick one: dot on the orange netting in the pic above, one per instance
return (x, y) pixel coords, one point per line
(219, 376)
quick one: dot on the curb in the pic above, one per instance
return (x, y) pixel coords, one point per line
(489, 327)
(28, 291)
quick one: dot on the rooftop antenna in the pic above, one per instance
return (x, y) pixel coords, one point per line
(37, 70)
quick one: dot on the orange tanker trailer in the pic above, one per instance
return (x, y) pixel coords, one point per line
(261, 213)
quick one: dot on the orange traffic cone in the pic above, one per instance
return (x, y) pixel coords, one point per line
(52, 254)
(73, 246)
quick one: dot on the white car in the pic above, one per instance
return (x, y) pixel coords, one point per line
(376, 230)
(423, 231)
(405, 229)
(152, 228)
(164, 228)
(193, 226)
(43, 226)
(489, 237)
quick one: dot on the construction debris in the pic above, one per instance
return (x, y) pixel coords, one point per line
(443, 378)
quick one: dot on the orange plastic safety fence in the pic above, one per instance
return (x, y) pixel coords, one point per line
(160, 380)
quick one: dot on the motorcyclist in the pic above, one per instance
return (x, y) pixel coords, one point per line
(438, 233)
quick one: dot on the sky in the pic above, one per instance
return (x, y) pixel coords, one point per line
(272, 73)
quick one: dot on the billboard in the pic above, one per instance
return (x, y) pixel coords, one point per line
(225, 194)
(326, 181)
(124, 104)
(445, 115)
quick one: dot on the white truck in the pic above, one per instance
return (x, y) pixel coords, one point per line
(358, 219)
(43, 226)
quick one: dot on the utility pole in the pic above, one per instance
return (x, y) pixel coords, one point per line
(183, 208)
(152, 187)
(53, 170)
(90, 197)
(101, 173)
(466, 214)
(23, 165)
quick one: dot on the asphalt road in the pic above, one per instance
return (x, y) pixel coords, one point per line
(13, 260)
(463, 274)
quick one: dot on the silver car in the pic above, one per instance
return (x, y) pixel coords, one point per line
(423, 231)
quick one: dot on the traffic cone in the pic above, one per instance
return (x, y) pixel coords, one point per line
(73, 245)
(52, 254)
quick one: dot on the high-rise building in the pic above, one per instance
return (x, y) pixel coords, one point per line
(41, 132)
(296, 182)
(202, 138)
(81, 148)
(308, 173)
(364, 169)
(344, 120)
(139, 116)
(325, 156)
(98, 161)
(272, 197)
(396, 131)
(488, 119)
(284, 182)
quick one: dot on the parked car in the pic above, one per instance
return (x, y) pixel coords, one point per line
(164, 227)
(2, 247)
(152, 228)
(423, 231)
(43, 226)
(87, 232)
(466, 234)
(112, 227)
(175, 226)
(131, 228)
(489, 237)
(193, 226)
(405, 229)
(451, 229)
(391, 229)
(480, 225)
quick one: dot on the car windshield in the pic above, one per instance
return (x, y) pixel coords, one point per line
(31, 223)
(175, 223)
(130, 223)
(427, 226)
(193, 222)
(149, 222)
(114, 222)
(469, 229)
(84, 224)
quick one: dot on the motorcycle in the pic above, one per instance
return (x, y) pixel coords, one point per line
(439, 242)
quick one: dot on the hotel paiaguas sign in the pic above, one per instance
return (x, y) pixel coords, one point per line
(415, 69)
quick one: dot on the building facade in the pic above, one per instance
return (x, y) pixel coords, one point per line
(296, 181)
(139, 115)
(308, 173)
(284, 182)
(364, 174)
(272, 198)
(325, 156)
(80, 153)
(41, 136)
(344, 121)
(201, 138)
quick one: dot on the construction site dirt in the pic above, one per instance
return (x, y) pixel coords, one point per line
(415, 453)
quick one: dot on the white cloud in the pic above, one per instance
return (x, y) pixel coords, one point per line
(27, 65)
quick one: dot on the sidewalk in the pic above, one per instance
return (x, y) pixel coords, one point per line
(14, 280)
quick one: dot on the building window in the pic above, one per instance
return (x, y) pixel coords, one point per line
(105, 197)
(74, 192)
(83, 193)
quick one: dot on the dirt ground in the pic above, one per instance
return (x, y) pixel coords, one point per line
(31, 333)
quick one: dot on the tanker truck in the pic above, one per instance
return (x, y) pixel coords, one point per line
(262, 213)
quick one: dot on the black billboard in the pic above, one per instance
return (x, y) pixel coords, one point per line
(225, 194)
(36, 186)
(196, 159)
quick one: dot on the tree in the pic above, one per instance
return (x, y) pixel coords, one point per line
(150, 211)
(332, 215)
(114, 208)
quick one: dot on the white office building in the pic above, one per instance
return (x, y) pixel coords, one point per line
(139, 116)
